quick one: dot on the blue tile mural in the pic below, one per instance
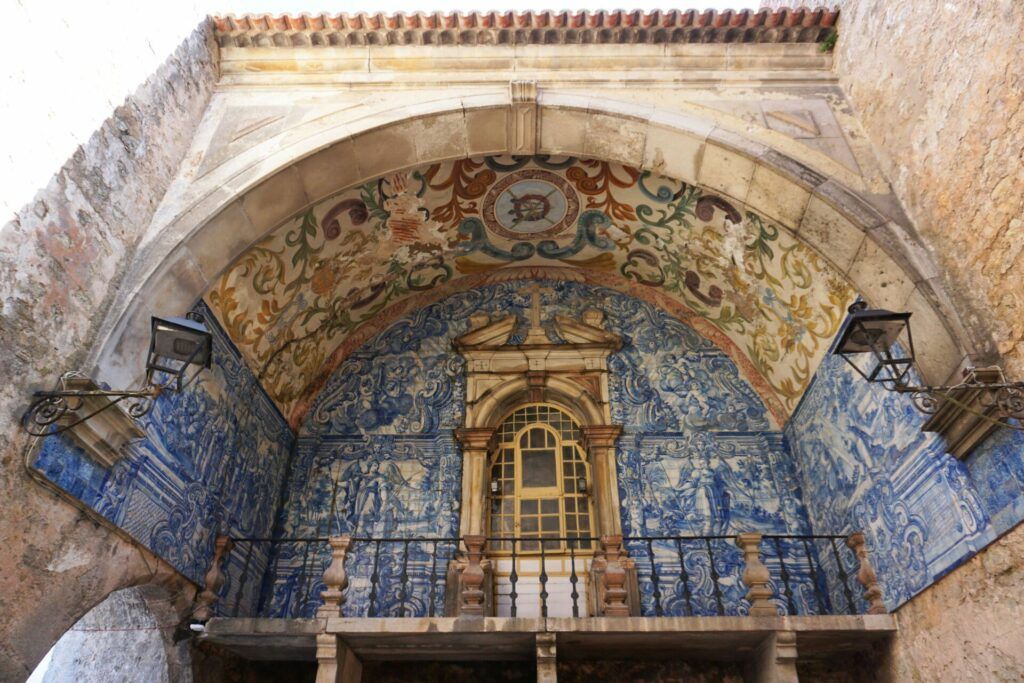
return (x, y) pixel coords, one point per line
(375, 456)
(866, 465)
(213, 461)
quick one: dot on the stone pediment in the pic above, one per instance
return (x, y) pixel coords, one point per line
(589, 330)
(493, 335)
(483, 332)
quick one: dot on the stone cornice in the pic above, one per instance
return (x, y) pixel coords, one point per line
(526, 28)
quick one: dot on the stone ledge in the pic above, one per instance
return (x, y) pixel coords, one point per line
(491, 638)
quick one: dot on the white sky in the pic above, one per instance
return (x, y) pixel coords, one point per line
(70, 63)
(389, 6)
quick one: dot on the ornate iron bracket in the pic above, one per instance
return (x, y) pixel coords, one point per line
(60, 407)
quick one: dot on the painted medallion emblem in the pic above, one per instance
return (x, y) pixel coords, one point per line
(530, 204)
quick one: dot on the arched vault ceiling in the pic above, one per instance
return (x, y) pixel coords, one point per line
(299, 300)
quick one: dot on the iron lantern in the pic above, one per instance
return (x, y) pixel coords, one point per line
(175, 344)
(876, 331)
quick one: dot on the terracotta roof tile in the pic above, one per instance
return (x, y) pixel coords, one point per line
(503, 28)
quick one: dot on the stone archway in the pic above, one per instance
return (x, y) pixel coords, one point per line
(128, 636)
(201, 230)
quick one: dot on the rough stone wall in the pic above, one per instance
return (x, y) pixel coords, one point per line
(61, 258)
(969, 626)
(939, 91)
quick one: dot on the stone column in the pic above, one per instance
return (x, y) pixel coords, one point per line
(614, 576)
(600, 442)
(547, 659)
(213, 580)
(475, 443)
(756, 576)
(336, 662)
(775, 660)
(866, 574)
(335, 579)
(471, 594)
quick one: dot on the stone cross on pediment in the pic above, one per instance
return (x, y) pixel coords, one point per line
(487, 333)
(535, 334)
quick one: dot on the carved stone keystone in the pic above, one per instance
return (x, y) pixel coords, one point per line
(471, 595)
(866, 574)
(522, 121)
(335, 578)
(756, 576)
(213, 580)
(614, 577)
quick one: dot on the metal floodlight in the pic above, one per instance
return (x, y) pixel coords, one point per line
(495, 487)
(581, 485)
(176, 343)
(875, 331)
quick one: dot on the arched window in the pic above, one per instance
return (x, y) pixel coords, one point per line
(539, 482)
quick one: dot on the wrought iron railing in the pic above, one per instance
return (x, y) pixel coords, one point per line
(685, 575)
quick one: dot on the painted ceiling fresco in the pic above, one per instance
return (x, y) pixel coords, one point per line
(318, 286)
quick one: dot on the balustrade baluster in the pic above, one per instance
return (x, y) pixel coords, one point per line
(844, 578)
(656, 592)
(572, 580)
(791, 606)
(213, 580)
(374, 578)
(684, 577)
(866, 575)
(471, 581)
(513, 579)
(335, 579)
(714, 578)
(433, 579)
(814, 578)
(543, 583)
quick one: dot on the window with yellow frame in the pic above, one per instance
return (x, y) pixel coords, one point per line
(538, 486)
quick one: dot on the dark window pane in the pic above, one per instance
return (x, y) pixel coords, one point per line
(529, 524)
(570, 505)
(539, 468)
(528, 507)
(549, 506)
(549, 523)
